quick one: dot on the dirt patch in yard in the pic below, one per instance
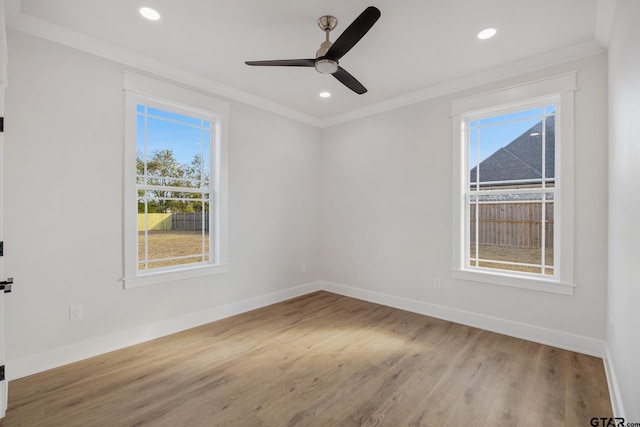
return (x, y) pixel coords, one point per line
(173, 243)
(513, 254)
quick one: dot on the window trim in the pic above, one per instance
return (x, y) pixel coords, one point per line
(543, 190)
(560, 89)
(140, 89)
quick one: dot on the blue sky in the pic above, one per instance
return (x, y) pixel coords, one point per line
(498, 131)
(183, 135)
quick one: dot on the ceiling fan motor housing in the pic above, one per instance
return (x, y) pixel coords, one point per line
(324, 65)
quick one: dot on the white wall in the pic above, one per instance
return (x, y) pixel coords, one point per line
(386, 211)
(63, 157)
(365, 204)
(624, 204)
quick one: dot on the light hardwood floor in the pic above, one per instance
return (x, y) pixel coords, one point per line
(320, 360)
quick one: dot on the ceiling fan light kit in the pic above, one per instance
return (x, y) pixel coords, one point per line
(328, 56)
(326, 66)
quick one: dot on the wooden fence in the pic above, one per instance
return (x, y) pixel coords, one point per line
(189, 221)
(155, 221)
(173, 221)
(512, 224)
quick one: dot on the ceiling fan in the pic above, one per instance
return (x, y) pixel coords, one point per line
(328, 56)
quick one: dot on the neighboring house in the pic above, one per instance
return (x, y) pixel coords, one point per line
(521, 158)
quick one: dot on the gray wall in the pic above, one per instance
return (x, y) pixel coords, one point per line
(63, 207)
(387, 216)
(624, 204)
(365, 204)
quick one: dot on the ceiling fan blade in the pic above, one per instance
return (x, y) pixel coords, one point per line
(285, 63)
(349, 81)
(354, 32)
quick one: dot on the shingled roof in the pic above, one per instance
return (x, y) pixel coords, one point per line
(521, 158)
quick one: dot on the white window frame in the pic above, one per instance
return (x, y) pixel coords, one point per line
(558, 90)
(143, 90)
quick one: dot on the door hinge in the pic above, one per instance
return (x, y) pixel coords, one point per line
(1, 248)
(2, 373)
(6, 285)
(1, 124)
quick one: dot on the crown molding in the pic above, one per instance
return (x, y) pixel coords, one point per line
(46, 30)
(55, 33)
(513, 69)
(604, 21)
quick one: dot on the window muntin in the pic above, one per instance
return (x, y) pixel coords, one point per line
(200, 190)
(511, 191)
(172, 180)
(558, 90)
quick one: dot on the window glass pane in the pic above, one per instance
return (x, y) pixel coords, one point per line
(506, 233)
(550, 147)
(519, 115)
(508, 149)
(206, 158)
(510, 152)
(177, 235)
(168, 247)
(176, 262)
(549, 229)
(140, 139)
(511, 228)
(174, 116)
(175, 142)
(173, 156)
(473, 247)
(473, 157)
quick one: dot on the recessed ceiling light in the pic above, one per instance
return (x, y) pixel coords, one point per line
(487, 33)
(325, 94)
(150, 14)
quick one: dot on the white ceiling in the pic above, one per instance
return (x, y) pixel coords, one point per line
(416, 44)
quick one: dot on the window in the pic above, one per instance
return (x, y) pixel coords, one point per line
(174, 183)
(173, 170)
(514, 186)
(511, 190)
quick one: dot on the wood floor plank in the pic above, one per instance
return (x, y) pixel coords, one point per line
(319, 360)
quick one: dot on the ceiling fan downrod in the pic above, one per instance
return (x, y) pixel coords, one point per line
(323, 65)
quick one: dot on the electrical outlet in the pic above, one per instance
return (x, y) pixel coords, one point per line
(436, 283)
(303, 268)
(75, 313)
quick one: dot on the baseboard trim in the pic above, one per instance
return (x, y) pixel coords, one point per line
(32, 364)
(612, 382)
(559, 339)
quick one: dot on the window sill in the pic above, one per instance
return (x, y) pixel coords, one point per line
(172, 276)
(513, 281)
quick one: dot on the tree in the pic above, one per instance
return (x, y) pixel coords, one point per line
(163, 170)
(198, 176)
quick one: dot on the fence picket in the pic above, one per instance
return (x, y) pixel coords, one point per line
(513, 224)
(174, 221)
